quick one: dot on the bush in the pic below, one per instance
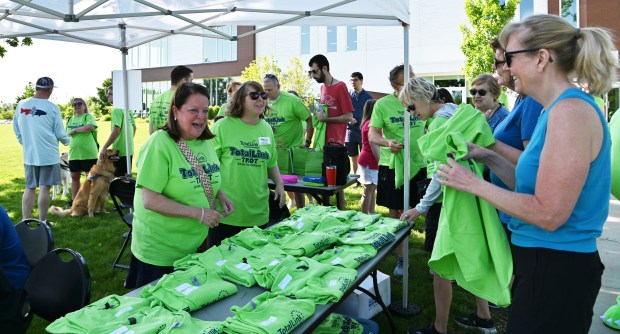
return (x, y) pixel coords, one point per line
(107, 118)
(6, 114)
(213, 110)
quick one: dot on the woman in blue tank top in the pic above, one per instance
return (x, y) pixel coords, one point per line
(562, 180)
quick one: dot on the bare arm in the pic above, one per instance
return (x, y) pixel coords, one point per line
(573, 141)
(161, 204)
(309, 129)
(85, 128)
(344, 118)
(508, 152)
(113, 135)
(375, 137)
(274, 174)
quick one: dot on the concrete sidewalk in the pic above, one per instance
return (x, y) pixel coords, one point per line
(609, 249)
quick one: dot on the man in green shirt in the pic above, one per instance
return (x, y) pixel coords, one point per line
(286, 115)
(118, 139)
(158, 112)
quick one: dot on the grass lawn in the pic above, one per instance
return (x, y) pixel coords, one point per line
(99, 239)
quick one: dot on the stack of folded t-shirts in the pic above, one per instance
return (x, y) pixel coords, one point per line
(348, 256)
(306, 243)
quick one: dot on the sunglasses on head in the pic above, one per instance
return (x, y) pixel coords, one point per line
(481, 92)
(256, 95)
(77, 104)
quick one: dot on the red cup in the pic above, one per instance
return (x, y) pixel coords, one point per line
(330, 174)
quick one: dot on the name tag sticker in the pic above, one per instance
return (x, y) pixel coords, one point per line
(264, 141)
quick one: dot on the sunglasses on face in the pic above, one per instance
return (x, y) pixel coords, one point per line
(315, 71)
(497, 63)
(77, 104)
(411, 108)
(508, 55)
(255, 95)
(480, 92)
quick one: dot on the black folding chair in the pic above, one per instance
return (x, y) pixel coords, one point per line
(122, 190)
(36, 239)
(57, 286)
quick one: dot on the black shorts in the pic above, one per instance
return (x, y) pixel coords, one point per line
(121, 166)
(142, 273)
(392, 198)
(432, 223)
(76, 166)
(353, 143)
(553, 291)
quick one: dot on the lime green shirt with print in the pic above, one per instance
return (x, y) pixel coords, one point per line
(118, 119)
(158, 113)
(388, 116)
(83, 145)
(286, 117)
(157, 239)
(246, 153)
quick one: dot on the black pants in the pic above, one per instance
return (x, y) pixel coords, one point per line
(11, 302)
(553, 291)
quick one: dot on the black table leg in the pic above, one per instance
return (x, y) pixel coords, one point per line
(377, 298)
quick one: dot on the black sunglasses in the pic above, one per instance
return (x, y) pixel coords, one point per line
(508, 55)
(497, 63)
(255, 95)
(411, 108)
(315, 71)
(77, 104)
(481, 92)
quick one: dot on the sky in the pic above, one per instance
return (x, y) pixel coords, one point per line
(77, 69)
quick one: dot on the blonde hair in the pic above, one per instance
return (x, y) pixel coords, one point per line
(587, 51)
(418, 89)
(231, 86)
(489, 80)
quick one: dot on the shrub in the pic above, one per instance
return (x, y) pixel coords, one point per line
(6, 114)
(107, 118)
(213, 110)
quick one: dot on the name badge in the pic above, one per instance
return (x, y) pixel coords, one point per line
(264, 141)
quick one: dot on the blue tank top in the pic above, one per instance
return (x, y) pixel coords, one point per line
(585, 223)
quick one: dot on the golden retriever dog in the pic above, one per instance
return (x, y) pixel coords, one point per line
(94, 191)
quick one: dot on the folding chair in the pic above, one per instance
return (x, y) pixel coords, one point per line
(36, 239)
(122, 190)
(57, 286)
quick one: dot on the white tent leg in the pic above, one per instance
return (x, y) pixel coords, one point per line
(126, 124)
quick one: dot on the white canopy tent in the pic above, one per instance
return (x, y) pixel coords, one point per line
(124, 24)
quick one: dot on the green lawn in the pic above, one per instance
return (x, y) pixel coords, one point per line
(98, 239)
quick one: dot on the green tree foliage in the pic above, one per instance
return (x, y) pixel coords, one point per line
(98, 105)
(28, 92)
(294, 78)
(14, 42)
(486, 20)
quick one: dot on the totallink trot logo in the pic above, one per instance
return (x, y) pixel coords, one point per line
(208, 168)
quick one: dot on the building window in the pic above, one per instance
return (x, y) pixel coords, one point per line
(217, 50)
(569, 10)
(351, 38)
(332, 38)
(305, 40)
(526, 8)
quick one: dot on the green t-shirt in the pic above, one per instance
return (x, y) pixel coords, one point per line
(83, 145)
(158, 113)
(118, 120)
(286, 117)
(436, 123)
(157, 239)
(348, 256)
(223, 109)
(337, 323)
(246, 153)
(388, 116)
(614, 131)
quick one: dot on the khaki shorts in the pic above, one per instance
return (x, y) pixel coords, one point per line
(42, 175)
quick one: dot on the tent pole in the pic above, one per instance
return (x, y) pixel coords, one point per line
(406, 308)
(127, 126)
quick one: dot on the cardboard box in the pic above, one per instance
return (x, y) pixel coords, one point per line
(360, 305)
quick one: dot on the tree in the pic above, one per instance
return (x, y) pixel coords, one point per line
(294, 78)
(98, 105)
(14, 42)
(28, 92)
(486, 18)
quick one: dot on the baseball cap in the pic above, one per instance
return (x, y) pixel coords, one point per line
(45, 83)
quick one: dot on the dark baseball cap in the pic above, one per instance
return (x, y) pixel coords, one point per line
(45, 83)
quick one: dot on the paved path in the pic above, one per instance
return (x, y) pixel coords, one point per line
(609, 249)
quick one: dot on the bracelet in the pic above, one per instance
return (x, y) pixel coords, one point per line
(202, 215)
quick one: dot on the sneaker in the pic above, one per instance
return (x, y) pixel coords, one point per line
(400, 264)
(493, 306)
(474, 322)
(428, 330)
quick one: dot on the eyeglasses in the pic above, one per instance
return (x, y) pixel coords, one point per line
(480, 92)
(397, 83)
(315, 71)
(508, 55)
(77, 104)
(411, 108)
(497, 63)
(255, 95)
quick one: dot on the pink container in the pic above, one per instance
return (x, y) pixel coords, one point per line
(287, 179)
